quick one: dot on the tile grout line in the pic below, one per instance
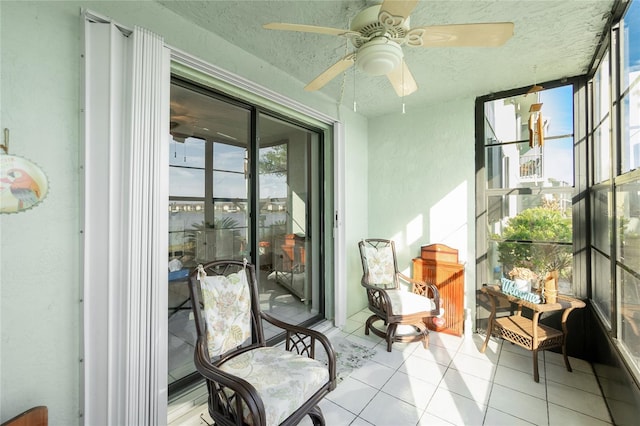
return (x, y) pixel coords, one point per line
(382, 345)
(493, 380)
(546, 387)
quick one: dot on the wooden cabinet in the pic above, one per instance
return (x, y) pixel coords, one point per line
(289, 265)
(448, 277)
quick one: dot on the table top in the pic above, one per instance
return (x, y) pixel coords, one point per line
(564, 302)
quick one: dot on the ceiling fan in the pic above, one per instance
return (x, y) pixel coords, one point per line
(378, 33)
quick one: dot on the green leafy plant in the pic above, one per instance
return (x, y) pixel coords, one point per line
(274, 160)
(533, 239)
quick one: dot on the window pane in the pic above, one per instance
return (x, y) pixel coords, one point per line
(529, 140)
(229, 185)
(601, 279)
(508, 119)
(628, 217)
(187, 152)
(186, 167)
(185, 182)
(497, 165)
(601, 219)
(557, 111)
(630, 128)
(558, 162)
(273, 172)
(226, 237)
(630, 312)
(601, 152)
(628, 243)
(534, 232)
(601, 89)
(228, 157)
(519, 166)
(184, 218)
(630, 46)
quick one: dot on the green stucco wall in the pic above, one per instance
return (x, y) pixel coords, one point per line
(422, 182)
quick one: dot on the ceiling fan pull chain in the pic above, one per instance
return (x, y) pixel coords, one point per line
(355, 107)
(403, 88)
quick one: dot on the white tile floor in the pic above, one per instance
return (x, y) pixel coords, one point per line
(453, 383)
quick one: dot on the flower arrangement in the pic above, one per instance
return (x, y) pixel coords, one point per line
(523, 274)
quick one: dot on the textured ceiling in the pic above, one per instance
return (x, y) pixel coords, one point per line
(552, 39)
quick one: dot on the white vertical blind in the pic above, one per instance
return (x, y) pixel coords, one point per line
(147, 231)
(125, 221)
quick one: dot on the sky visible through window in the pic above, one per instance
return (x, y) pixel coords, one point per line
(557, 107)
(184, 180)
(632, 35)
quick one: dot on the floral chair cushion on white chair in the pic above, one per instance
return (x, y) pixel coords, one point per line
(227, 311)
(265, 369)
(381, 266)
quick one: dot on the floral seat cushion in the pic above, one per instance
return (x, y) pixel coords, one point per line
(284, 380)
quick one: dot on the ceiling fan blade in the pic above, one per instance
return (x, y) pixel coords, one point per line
(461, 35)
(402, 80)
(398, 7)
(308, 29)
(330, 73)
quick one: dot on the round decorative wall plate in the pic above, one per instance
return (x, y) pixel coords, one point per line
(22, 184)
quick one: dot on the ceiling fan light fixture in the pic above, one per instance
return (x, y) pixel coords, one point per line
(379, 56)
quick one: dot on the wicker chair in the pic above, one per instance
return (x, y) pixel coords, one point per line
(250, 383)
(390, 304)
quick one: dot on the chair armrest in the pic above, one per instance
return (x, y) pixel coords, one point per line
(302, 340)
(423, 289)
(228, 384)
(379, 301)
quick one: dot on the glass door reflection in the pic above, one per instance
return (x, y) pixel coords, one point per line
(287, 252)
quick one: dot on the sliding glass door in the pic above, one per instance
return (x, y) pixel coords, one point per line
(244, 183)
(288, 167)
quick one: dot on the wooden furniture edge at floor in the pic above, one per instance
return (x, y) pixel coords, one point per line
(438, 265)
(529, 333)
(36, 416)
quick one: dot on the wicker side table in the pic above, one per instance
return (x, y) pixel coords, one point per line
(529, 333)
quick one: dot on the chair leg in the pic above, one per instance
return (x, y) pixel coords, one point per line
(315, 414)
(425, 338)
(564, 355)
(391, 335)
(369, 324)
